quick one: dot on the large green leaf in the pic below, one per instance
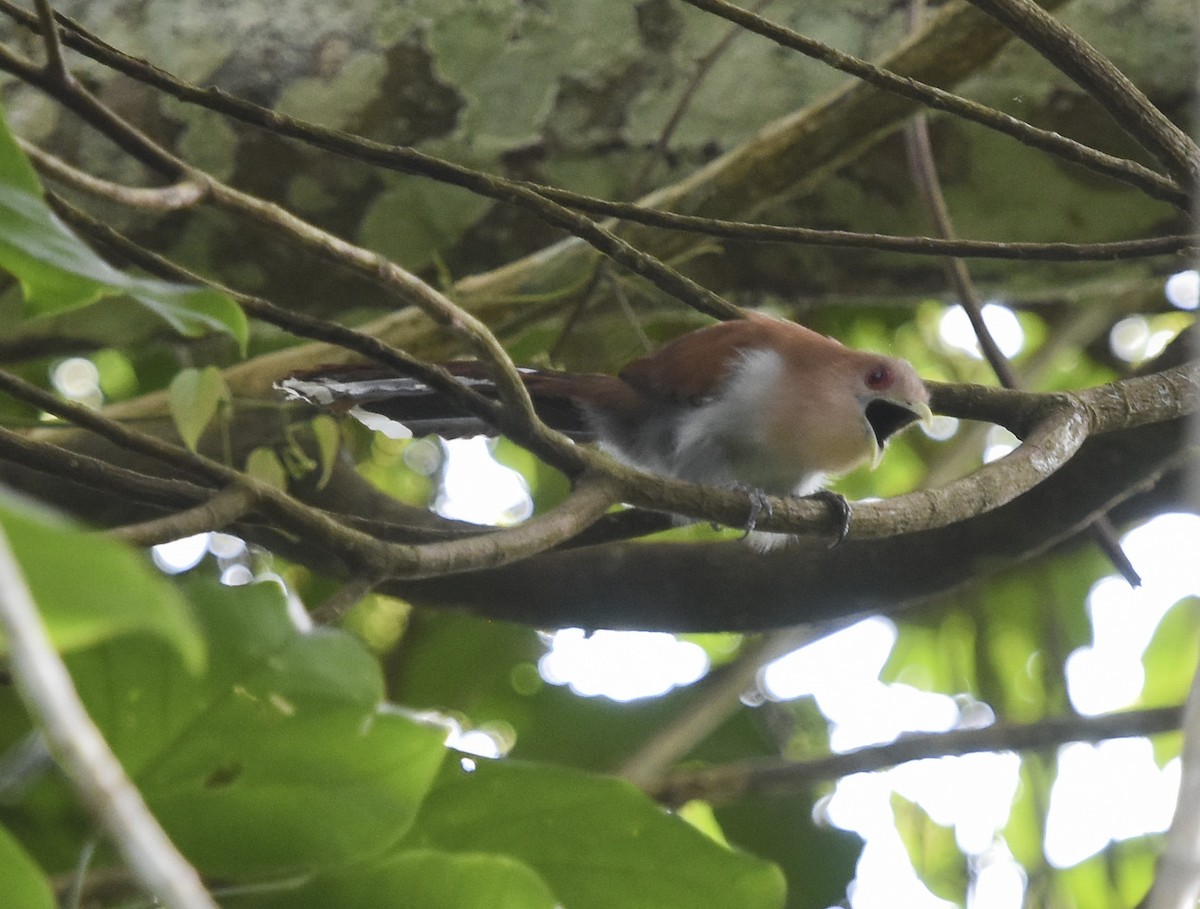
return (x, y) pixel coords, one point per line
(59, 272)
(782, 829)
(24, 884)
(282, 759)
(598, 842)
(90, 589)
(424, 878)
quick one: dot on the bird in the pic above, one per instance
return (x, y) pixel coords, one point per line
(759, 403)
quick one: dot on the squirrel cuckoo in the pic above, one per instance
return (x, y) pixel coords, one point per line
(757, 403)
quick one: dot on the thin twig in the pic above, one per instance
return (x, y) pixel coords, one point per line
(164, 198)
(768, 776)
(703, 67)
(226, 507)
(80, 750)
(51, 40)
(847, 239)
(920, 151)
(94, 473)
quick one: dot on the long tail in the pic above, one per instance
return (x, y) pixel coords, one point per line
(401, 405)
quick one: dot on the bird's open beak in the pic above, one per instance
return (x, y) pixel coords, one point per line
(887, 417)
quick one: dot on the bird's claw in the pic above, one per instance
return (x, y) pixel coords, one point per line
(760, 504)
(841, 511)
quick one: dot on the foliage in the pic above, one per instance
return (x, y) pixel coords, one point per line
(285, 725)
(58, 272)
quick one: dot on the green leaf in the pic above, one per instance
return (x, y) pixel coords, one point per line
(194, 397)
(264, 465)
(1025, 832)
(329, 438)
(59, 272)
(25, 885)
(413, 220)
(423, 878)
(597, 842)
(782, 829)
(1119, 875)
(90, 589)
(1170, 658)
(282, 759)
(933, 851)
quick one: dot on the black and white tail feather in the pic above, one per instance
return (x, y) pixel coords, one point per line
(405, 407)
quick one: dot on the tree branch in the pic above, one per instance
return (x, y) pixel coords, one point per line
(726, 587)
(728, 782)
(223, 509)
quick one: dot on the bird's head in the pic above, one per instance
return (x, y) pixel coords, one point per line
(893, 397)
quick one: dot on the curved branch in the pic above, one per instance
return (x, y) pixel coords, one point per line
(592, 496)
(727, 587)
(165, 198)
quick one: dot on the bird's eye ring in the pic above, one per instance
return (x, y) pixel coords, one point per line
(879, 377)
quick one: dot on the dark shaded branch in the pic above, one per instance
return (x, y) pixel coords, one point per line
(188, 193)
(1174, 244)
(97, 474)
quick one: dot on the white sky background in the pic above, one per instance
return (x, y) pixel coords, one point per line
(1102, 793)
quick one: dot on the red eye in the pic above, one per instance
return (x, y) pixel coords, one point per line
(879, 377)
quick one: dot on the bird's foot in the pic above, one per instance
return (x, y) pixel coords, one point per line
(841, 511)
